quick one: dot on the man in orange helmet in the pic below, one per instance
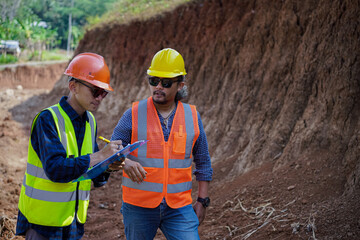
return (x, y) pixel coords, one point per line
(62, 147)
(157, 180)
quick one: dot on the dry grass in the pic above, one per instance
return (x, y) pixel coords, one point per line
(265, 216)
(7, 227)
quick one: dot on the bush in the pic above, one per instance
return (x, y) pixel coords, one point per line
(55, 54)
(5, 59)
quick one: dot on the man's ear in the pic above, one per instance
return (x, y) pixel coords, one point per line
(73, 87)
(181, 85)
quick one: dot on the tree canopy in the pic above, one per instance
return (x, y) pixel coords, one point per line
(47, 21)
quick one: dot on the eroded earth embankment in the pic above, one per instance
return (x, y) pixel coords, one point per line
(273, 80)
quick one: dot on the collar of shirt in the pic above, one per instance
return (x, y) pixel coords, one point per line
(170, 115)
(70, 111)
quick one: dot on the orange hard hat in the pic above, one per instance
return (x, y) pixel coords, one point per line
(90, 67)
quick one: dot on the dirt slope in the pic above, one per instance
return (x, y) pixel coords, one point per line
(271, 79)
(32, 75)
(277, 85)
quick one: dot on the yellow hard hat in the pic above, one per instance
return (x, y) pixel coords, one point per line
(167, 63)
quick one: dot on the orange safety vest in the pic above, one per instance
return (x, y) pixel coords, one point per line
(168, 164)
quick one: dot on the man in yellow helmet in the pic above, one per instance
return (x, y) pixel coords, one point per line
(62, 147)
(157, 180)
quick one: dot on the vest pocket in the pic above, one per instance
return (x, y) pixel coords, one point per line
(179, 145)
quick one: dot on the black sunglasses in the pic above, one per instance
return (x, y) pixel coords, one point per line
(165, 82)
(95, 90)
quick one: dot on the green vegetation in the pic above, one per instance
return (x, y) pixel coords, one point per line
(124, 11)
(55, 55)
(43, 25)
(48, 55)
(7, 59)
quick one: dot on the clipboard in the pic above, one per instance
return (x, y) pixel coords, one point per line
(100, 167)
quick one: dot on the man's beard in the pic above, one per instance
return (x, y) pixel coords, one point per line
(157, 101)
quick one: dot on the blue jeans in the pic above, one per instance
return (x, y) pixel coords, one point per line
(176, 224)
(31, 234)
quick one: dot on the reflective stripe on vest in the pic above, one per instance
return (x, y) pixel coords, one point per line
(48, 203)
(50, 196)
(186, 125)
(61, 123)
(54, 196)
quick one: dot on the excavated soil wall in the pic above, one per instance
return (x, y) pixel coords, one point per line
(273, 80)
(34, 76)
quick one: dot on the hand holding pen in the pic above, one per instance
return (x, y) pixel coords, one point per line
(114, 145)
(110, 149)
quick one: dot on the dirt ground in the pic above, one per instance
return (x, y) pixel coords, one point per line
(13, 148)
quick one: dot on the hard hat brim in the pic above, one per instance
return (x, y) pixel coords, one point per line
(100, 84)
(155, 73)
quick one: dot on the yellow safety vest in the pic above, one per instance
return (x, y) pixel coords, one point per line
(48, 203)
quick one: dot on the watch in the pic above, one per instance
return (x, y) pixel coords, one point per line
(204, 201)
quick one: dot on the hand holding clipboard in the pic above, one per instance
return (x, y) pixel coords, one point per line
(99, 168)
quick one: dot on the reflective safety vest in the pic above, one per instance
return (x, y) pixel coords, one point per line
(49, 203)
(168, 164)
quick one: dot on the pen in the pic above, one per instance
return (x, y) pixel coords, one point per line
(104, 139)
